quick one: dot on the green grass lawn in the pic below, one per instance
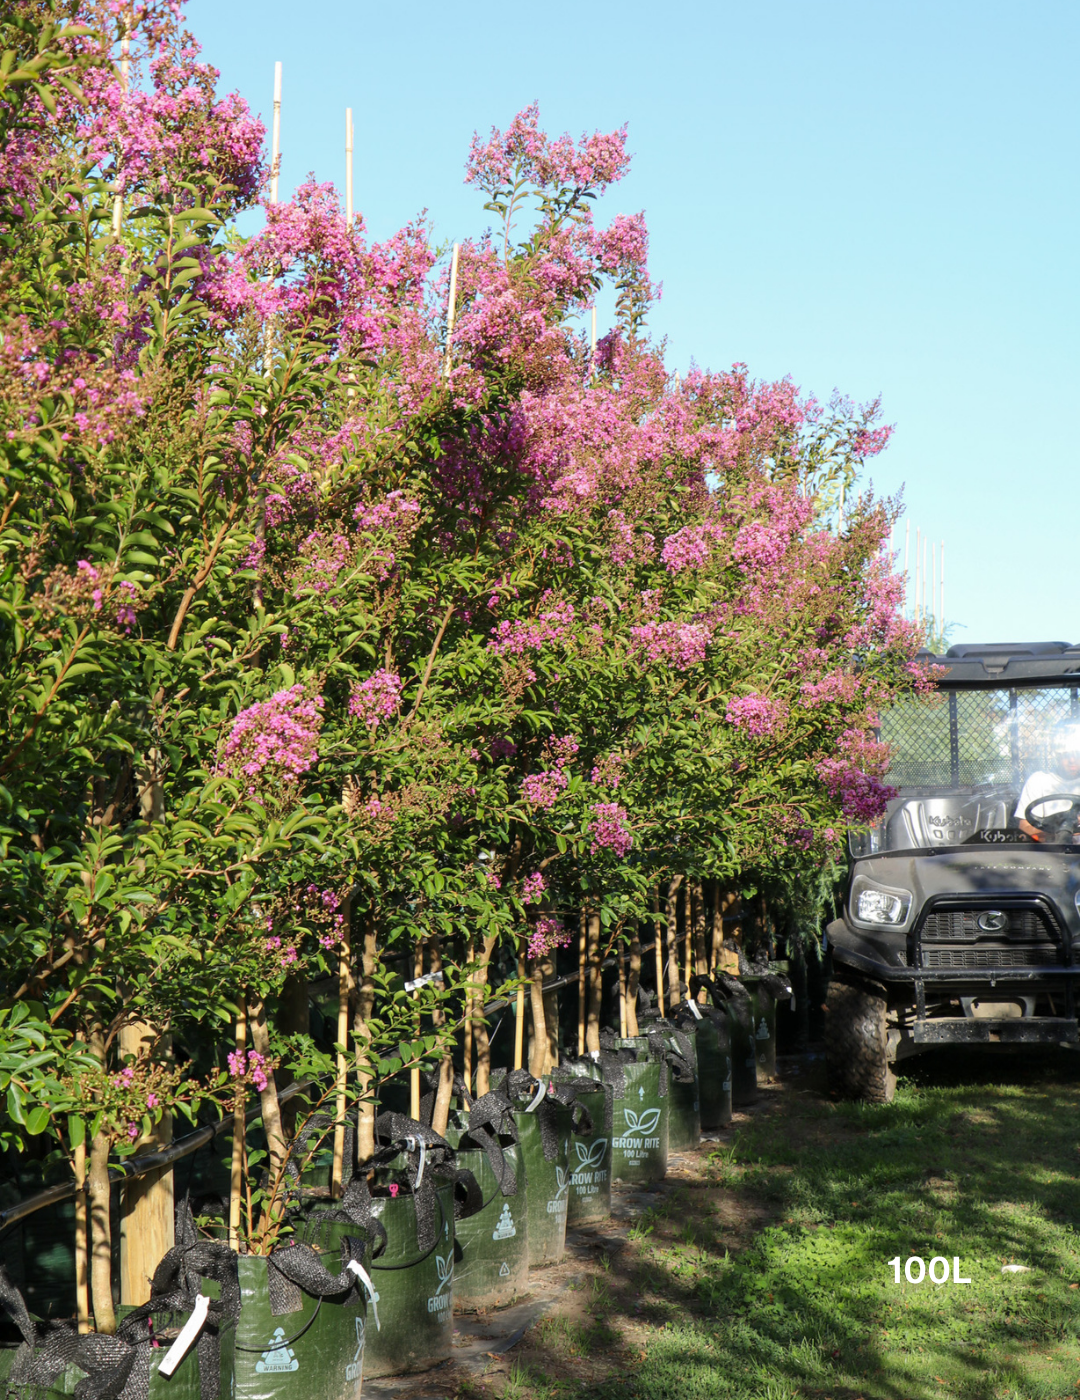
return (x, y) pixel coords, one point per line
(977, 1158)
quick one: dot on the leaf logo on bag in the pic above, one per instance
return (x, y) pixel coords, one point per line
(446, 1271)
(590, 1154)
(562, 1177)
(643, 1122)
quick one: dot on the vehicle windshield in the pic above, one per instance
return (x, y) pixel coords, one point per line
(960, 761)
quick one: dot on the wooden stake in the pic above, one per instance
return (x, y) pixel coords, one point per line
(82, 1241)
(275, 147)
(451, 307)
(125, 65)
(519, 1028)
(592, 1026)
(671, 930)
(414, 1073)
(470, 953)
(348, 168)
(658, 952)
(236, 1175)
(622, 994)
(365, 1005)
(147, 1209)
(483, 1044)
(538, 1049)
(581, 985)
(440, 1115)
(634, 980)
(688, 916)
(341, 1078)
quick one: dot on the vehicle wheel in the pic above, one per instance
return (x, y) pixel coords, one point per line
(856, 1045)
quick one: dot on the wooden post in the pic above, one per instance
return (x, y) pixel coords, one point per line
(658, 951)
(634, 980)
(582, 963)
(365, 1005)
(451, 306)
(348, 168)
(592, 1027)
(701, 959)
(82, 1241)
(341, 1078)
(671, 929)
(519, 1008)
(483, 1044)
(125, 65)
(622, 994)
(236, 1175)
(414, 1073)
(688, 935)
(551, 1014)
(470, 953)
(275, 140)
(146, 1202)
(441, 1112)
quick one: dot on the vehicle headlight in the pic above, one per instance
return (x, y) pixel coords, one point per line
(877, 907)
(878, 904)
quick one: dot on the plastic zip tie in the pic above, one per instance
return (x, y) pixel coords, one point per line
(365, 1278)
(692, 1004)
(190, 1330)
(537, 1097)
(414, 1144)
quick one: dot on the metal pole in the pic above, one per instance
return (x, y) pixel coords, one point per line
(452, 304)
(918, 556)
(348, 168)
(907, 552)
(275, 147)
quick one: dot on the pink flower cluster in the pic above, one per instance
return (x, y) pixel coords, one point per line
(254, 1066)
(517, 638)
(562, 750)
(689, 548)
(533, 886)
(287, 955)
(276, 738)
(609, 830)
(376, 699)
(542, 790)
(837, 687)
(862, 796)
(547, 935)
(608, 771)
(524, 152)
(682, 643)
(757, 714)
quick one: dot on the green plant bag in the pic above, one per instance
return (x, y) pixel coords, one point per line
(316, 1351)
(712, 1039)
(684, 1100)
(546, 1187)
(589, 1197)
(764, 1029)
(639, 1147)
(491, 1248)
(744, 1064)
(415, 1289)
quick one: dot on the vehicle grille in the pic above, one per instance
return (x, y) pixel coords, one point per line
(955, 925)
(989, 957)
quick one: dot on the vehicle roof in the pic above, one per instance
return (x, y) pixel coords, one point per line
(994, 664)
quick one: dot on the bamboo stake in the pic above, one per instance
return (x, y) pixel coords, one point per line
(440, 1115)
(925, 547)
(907, 551)
(658, 953)
(941, 585)
(634, 980)
(236, 1175)
(82, 1240)
(688, 947)
(918, 554)
(125, 65)
(483, 1041)
(275, 148)
(365, 1005)
(451, 306)
(344, 989)
(519, 1028)
(414, 1073)
(671, 930)
(581, 985)
(622, 994)
(348, 168)
(470, 953)
(592, 1027)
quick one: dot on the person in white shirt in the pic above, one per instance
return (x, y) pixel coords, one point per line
(1065, 758)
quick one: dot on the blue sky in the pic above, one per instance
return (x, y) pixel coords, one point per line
(871, 196)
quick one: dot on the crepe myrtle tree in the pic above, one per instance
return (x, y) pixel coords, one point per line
(319, 628)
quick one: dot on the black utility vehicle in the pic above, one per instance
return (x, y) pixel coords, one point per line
(960, 926)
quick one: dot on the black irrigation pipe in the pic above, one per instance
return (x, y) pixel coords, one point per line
(153, 1161)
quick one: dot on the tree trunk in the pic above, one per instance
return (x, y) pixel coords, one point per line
(633, 981)
(583, 963)
(365, 1003)
(337, 1169)
(293, 1018)
(276, 1145)
(101, 1255)
(658, 951)
(592, 1028)
(538, 1046)
(82, 1241)
(551, 1015)
(441, 1114)
(701, 956)
(671, 934)
(483, 1040)
(236, 1172)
